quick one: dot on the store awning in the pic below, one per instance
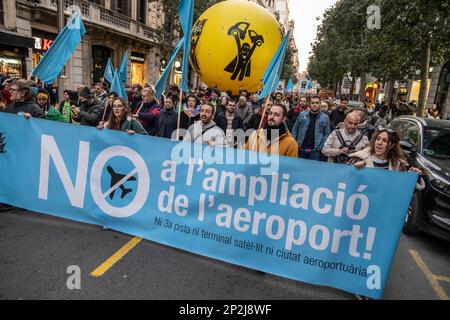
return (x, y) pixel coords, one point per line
(15, 40)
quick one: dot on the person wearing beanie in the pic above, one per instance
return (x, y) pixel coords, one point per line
(88, 111)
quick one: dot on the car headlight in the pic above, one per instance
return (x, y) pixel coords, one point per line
(439, 183)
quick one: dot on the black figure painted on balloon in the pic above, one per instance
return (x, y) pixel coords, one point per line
(241, 65)
(196, 33)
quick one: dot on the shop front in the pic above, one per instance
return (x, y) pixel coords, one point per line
(13, 54)
(42, 42)
(100, 56)
(178, 75)
(137, 68)
(372, 91)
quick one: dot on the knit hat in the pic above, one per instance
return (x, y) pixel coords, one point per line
(85, 93)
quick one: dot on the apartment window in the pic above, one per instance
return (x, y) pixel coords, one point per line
(121, 6)
(142, 11)
(2, 12)
(99, 2)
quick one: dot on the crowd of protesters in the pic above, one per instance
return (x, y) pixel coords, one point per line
(303, 126)
(292, 125)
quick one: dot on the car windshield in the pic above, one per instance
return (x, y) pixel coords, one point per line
(437, 142)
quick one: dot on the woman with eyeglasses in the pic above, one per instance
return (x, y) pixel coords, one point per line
(384, 152)
(22, 101)
(120, 119)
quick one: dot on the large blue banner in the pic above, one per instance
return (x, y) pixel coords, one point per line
(315, 222)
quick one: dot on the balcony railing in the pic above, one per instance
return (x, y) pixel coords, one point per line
(114, 19)
(98, 15)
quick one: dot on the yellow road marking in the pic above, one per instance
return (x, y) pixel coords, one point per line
(442, 278)
(105, 266)
(430, 276)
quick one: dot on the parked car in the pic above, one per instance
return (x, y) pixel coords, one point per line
(427, 142)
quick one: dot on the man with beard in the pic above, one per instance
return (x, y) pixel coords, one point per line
(229, 123)
(275, 137)
(311, 129)
(168, 119)
(244, 110)
(295, 112)
(342, 142)
(205, 131)
(338, 115)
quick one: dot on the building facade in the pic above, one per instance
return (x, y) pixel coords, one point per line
(113, 27)
(439, 92)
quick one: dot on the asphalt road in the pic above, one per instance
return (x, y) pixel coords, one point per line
(36, 250)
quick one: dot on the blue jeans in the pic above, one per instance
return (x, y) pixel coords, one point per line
(313, 155)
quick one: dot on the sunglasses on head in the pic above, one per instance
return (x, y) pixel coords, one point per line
(383, 129)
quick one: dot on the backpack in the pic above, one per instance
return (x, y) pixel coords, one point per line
(343, 158)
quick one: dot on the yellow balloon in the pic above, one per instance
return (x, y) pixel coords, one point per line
(232, 44)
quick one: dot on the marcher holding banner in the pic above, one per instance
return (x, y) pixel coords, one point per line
(120, 119)
(342, 142)
(206, 131)
(385, 152)
(148, 112)
(22, 101)
(275, 137)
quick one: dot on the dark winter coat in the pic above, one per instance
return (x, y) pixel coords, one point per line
(89, 113)
(222, 122)
(28, 106)
(149, 117)
(168, 120)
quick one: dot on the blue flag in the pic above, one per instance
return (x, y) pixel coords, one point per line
(186, 13)
(310, 84)
(123, 68)
(273, 76)
(162, 81)
(276, 58)
(117, 86)
(109, 72)
(65, 43)
(289, 86)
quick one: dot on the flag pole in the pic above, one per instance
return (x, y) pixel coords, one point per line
(104, 111)
(61, 24)
(264, 110)
(179, 114)
(268, 97)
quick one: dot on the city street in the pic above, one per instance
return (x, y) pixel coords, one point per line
(37, 249)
